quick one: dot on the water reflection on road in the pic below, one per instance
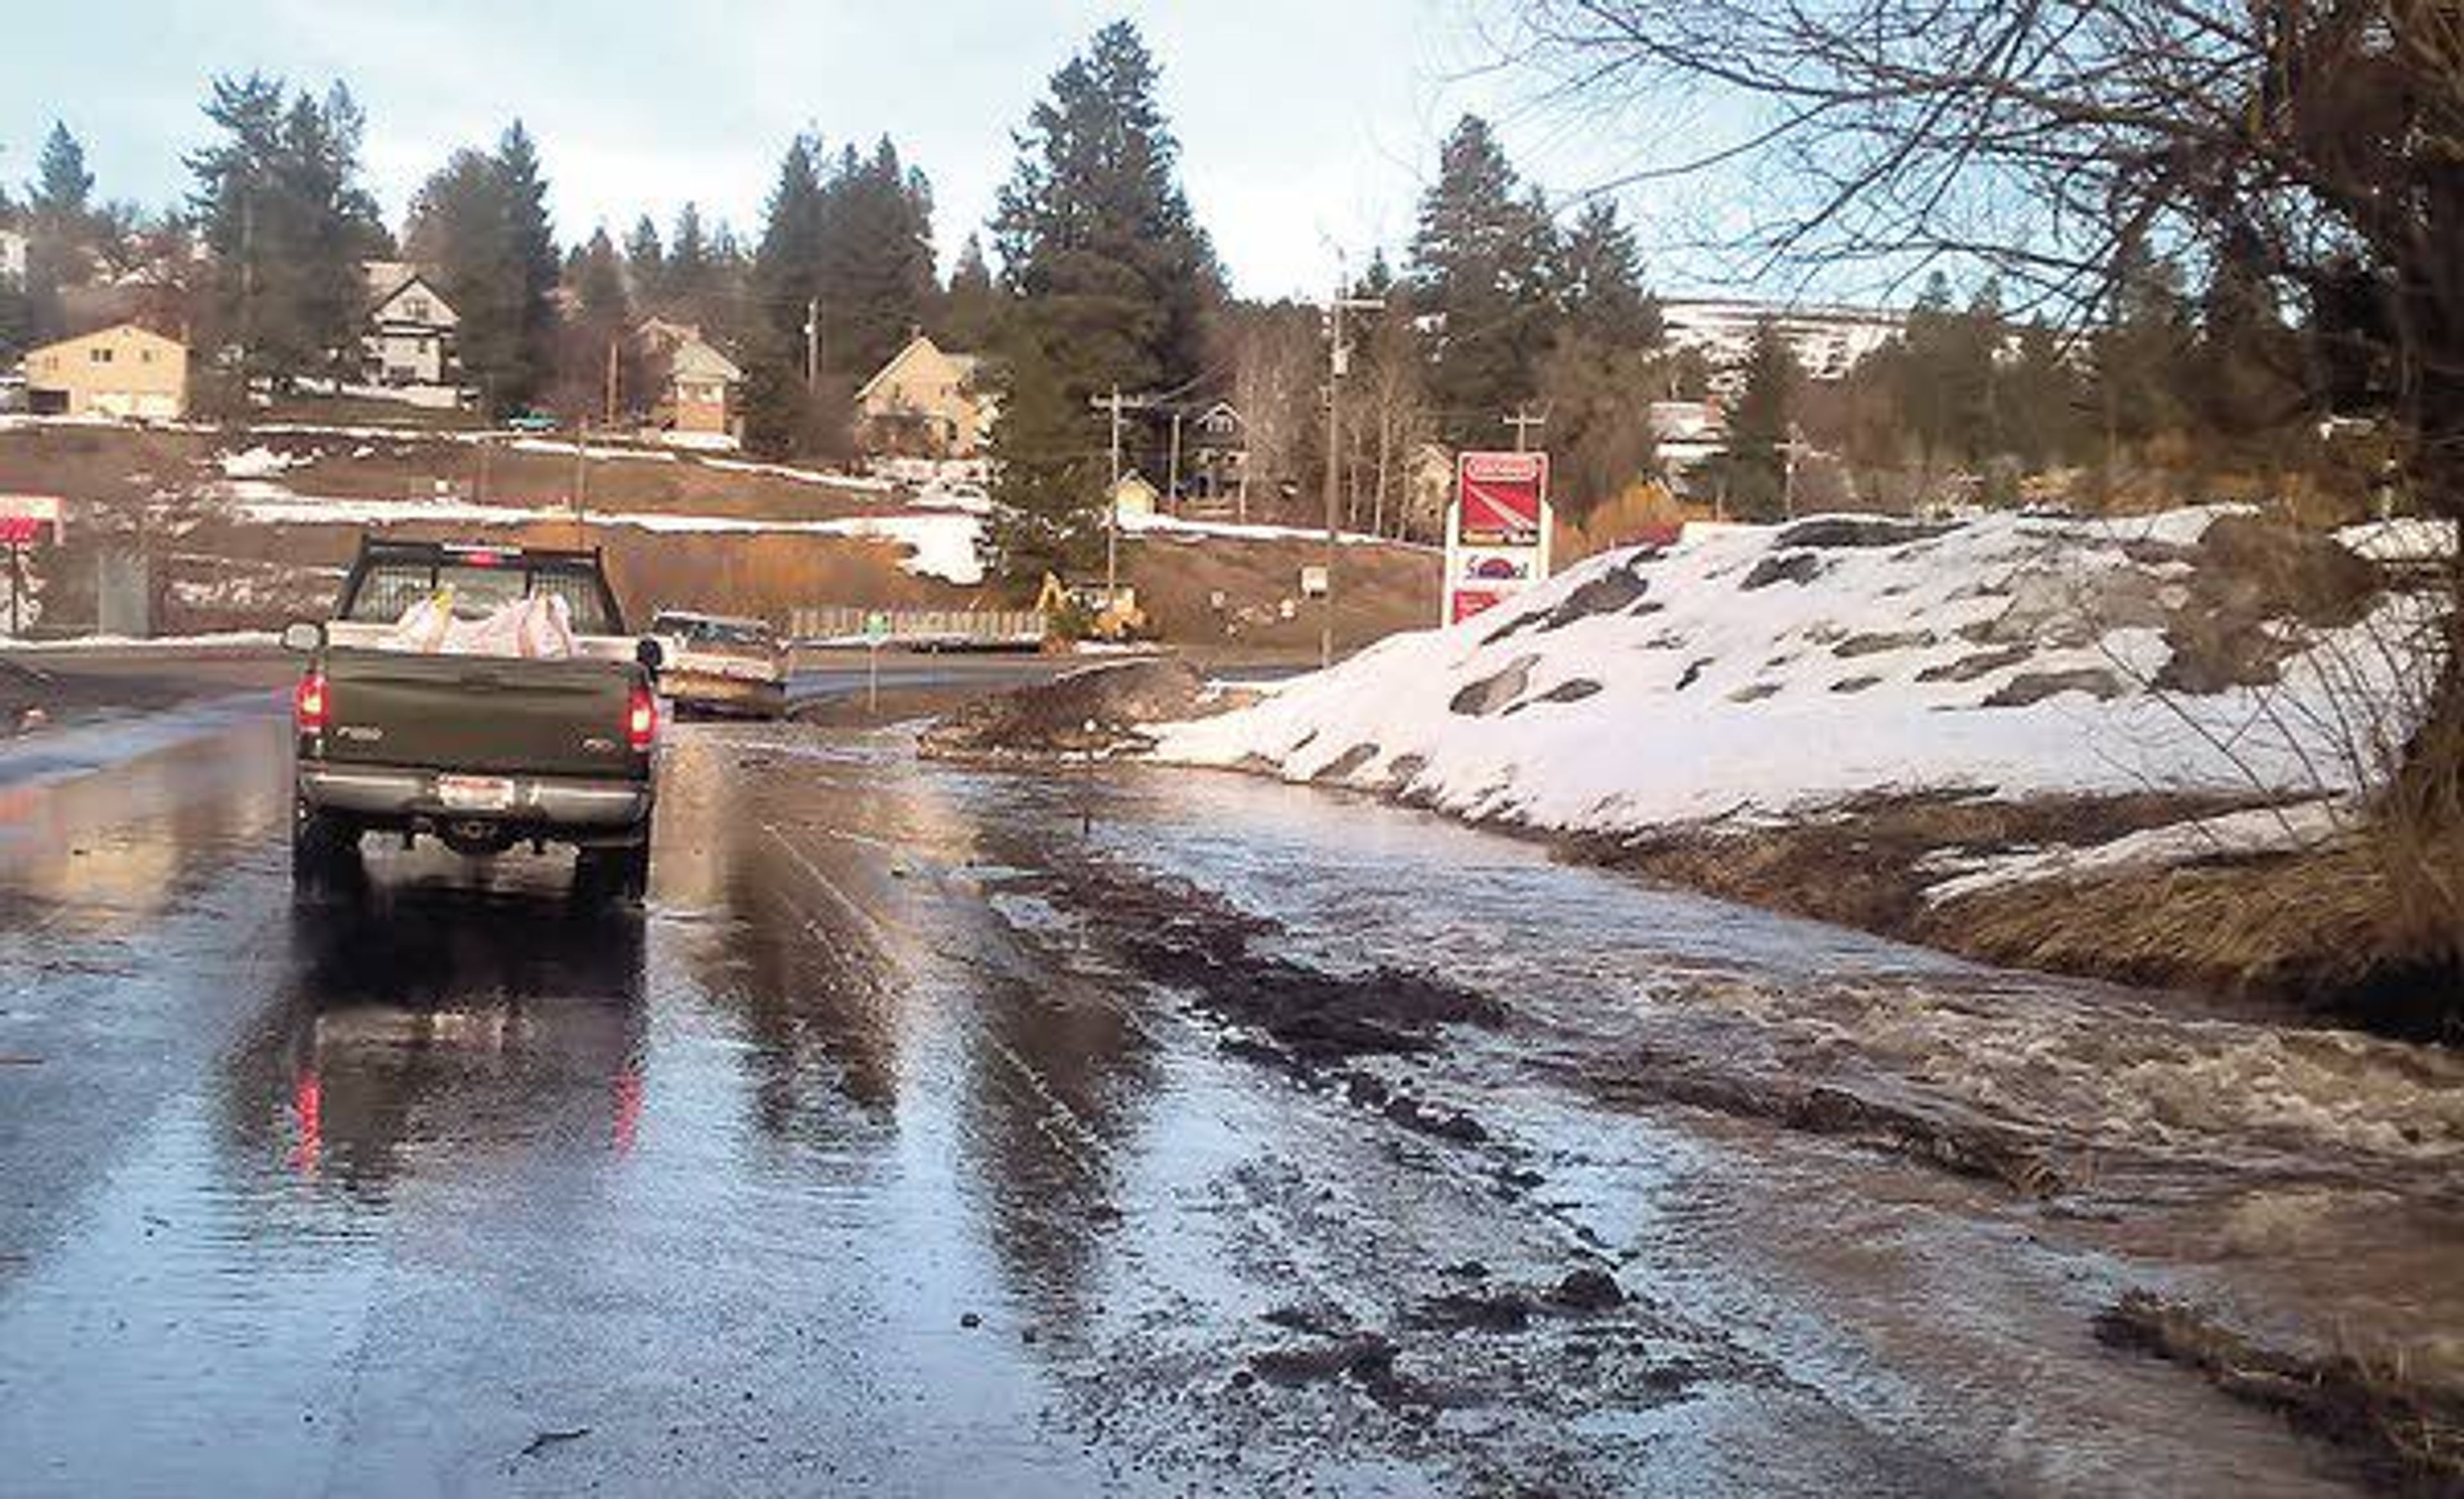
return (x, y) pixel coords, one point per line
(860, 1162)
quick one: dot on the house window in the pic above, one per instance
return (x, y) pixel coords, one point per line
(99, 356)
(146, 356)
(417, 309)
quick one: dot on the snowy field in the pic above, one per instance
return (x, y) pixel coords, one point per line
(1755, 672)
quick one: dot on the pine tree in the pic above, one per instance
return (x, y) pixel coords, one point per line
(1044, 476)
(875, 261)
(784, 410)
(1599, 279)
(57, 229)
(535, 269)
(279, 205)
(689, 279)
(1753, 469)
(1095, 235)
(646, 262)
(970, 305)
(1481, 265)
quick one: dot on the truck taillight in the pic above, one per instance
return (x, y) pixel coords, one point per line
(642, 721)
(310, 706)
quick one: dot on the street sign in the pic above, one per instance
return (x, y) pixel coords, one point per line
(1497, 530)
(23, 520)
(1313, 580)
(876, 627)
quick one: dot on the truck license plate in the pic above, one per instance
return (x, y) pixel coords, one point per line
(474, 793)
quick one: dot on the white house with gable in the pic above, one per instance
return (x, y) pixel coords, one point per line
(409, 344)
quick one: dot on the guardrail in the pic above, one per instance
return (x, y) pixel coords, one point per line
(846, 625)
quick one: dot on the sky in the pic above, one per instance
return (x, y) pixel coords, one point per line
(1309, 128)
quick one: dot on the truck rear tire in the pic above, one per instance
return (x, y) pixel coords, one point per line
(621, 872)
(322, 847)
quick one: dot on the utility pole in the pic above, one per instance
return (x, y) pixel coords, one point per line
(581, 483)
(1116, 403)
(812, 342)
(610, 422)
(1338, 360)
(1522, 421)
(1172, 481)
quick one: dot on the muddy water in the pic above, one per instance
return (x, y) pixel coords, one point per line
(869, 1160)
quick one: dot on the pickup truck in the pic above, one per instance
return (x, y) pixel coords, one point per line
(480, 752)
(719, 665)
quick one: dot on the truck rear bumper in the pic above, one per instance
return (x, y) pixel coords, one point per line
(387, 796)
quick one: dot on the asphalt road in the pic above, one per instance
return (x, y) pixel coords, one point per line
(942, 1131)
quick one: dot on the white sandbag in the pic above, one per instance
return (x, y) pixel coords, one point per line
(545, 628)
(424, 626)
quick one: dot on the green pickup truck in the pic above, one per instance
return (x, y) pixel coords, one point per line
(482, 750)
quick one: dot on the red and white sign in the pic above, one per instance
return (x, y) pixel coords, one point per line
(25, 518)
(1497, 530)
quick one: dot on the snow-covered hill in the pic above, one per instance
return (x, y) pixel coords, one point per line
(1758, 671)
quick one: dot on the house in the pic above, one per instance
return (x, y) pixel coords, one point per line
(12, 257)
(123, 371)
(1134, 498)
(925, 402)
(408, 345)
(1219, 453)
(696, 385)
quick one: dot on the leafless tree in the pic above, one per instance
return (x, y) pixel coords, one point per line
(2313, 146)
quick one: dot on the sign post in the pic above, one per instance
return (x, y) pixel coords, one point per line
(1497, 530)
(23, 520)
(876, 634)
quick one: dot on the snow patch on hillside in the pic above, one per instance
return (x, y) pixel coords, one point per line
(1757, 671)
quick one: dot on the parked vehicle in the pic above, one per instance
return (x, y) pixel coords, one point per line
(714, 663)
(475, 743)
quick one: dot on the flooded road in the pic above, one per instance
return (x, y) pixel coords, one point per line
(938, 1130)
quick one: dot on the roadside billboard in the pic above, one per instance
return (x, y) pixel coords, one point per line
(1497, 530)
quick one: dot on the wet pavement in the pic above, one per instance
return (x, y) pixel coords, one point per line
(939, 1130)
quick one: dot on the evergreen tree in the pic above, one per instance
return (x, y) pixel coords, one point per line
(1044, 475)
(789, 410)
(535, 269)
(58, 229)
(689, 272)
(279, 205)
(874, 260)
(1753, 469)
(1096, 236)
(970, 305)
(1599, 276)
(1481, 264)
(646, 262)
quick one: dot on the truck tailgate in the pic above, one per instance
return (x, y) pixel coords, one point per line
(488, 713)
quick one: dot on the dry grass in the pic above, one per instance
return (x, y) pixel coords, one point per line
(1379, 590)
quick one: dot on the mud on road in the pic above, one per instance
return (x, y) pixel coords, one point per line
(950, 1128)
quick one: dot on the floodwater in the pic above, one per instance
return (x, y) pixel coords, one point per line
(901, 1145)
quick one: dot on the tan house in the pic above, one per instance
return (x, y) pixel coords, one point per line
(407, 346)
(121, 371)
(697, 385)
(925, 402)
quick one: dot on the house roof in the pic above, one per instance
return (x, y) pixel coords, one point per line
(965, 365)
(387, 280)
(695, 359)
(139, 330)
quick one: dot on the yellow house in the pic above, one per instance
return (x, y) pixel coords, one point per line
(121, 371)
(924, 402)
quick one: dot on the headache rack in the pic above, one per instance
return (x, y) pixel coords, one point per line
(566, 564)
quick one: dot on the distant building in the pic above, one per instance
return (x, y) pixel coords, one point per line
(925, 402)
(1219, 453)
(1135, 497)
(1828, 342)
(123, 371)
(1687, 433)
(12, 257)
(696, 385)
(407, 348)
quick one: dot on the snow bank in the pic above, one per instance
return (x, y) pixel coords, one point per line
(1235, 530)
(2408, 539)
(1755, 671)
(256, 463)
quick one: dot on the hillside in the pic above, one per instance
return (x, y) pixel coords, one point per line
(248, 528)
(1894, 724)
